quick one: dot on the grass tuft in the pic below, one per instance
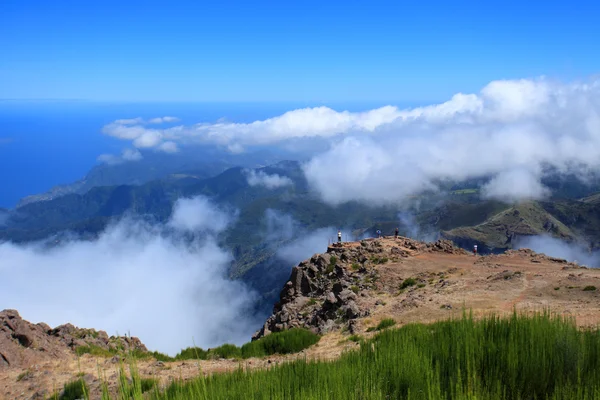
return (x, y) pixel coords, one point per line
(407, 283)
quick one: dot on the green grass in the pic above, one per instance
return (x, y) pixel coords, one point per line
(465, 191)
(23, 375)
(225, 351)
(408, 282)
(589, 288)
(355, 338)
(379, 260)
(148, 384)
(95, 351)
(540, 357)
(286, 342)
(385, 323)
(73, 390)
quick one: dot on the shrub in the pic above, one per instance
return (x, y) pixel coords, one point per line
(225, 351)
(75, 390)
(355, 338)
(23, 374)
(355, 266)
(354, 288)
(192, 353)
(312, 301)
(589, 288)
(557, 288)
(407, 283)
(95, 351)
(421, 285)
(286, 342)
(148, 384)
(385, 323)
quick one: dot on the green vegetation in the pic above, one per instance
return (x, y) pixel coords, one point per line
(355, 266)
(355, 338)
(589, 288)
(312, 301)
(95, 351)
(23, 374)
(73, 391)
(407, 283)
(421, 285)
(354, 288)
(540, 357)
(465, 191)
(286, 342)
(385, 323)
(379, 260)
(225, 351)
(557, 288)
(148, 384)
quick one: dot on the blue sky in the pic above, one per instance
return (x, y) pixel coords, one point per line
(287, 51)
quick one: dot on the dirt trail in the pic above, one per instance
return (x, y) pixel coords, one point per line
(448, 284)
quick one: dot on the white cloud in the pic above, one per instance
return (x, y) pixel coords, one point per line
(134, 278)
(162, 120)
(386, 154)
(131, 155)
(515, 185)
(553, 247)
(199, 214)
(129, 121)
(260, 178)
(126, 155)
(168, 147)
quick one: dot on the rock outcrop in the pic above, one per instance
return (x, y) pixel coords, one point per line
(23, 343)
(324, 292)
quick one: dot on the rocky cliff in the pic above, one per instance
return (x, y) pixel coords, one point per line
(326, 292)
(23, 343)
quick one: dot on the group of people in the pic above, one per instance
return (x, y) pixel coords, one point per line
(396, 232)
(395, 237)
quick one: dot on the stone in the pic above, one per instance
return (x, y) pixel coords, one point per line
(351, 310)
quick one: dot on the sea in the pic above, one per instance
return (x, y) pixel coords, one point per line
(44, 143)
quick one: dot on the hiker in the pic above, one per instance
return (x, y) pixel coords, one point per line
(378, 233)
(396, 234)
(339, 236)
(475, 250)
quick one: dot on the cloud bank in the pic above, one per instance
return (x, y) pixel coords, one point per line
(138, 278)
(557, 248)
(512, 131)
(273, 181)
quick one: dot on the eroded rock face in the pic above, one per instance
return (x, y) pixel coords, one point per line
(23, 343)
(322, 292)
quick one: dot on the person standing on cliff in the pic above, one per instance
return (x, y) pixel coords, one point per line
(475, 250)
(339, 236)
(396, 234)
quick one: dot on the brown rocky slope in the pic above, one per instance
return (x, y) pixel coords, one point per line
(411, 281)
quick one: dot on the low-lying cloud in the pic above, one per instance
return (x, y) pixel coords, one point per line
(126, 155)
(512, 131)
(299, 243)
(270, 181)
(136, 277)
(553, 247)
